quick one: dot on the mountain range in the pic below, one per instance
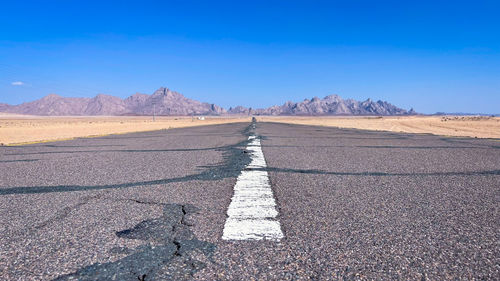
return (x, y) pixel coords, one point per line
(166, 102)
(329, 105)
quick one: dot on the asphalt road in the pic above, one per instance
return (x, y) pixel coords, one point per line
(152, 206)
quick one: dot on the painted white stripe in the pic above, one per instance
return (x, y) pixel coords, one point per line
(252, 212)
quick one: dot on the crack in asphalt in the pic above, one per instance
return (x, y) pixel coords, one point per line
(166, 256)
(136, 201)
(21, 160)
(234, 160)
(323, 172)
(170, 246)
(121, 150)
(60, 215)
(386, 146)
(169, 243)
(225, 171)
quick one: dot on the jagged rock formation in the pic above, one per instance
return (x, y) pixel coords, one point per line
(240, 110)
(166, 102)
(330, 105)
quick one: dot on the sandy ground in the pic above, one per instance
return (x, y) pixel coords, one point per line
(460, 126)
(19, 129)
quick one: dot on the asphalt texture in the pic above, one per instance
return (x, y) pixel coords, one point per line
(152, 206)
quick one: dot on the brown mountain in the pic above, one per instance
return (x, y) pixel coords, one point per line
(51, 105)
(163, 102)
(166, 102)
(105, 105)
(4, 107)
(330, 105)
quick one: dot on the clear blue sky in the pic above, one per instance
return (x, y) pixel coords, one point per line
(430, 55)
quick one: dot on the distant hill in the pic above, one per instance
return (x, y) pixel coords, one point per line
(166, 102)
(163, 102)
(330, 105)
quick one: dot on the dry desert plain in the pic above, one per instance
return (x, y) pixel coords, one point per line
(457, 126)
(20, 129)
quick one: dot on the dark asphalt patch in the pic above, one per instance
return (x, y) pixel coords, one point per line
(388, 147)
(122, 150)
(60, 215)
(234, 161)
(21, 160)
(166, 257)
(381, 174)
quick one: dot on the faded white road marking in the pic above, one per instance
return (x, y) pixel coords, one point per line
(252, 212)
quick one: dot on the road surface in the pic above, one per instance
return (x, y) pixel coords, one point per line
(344, 204)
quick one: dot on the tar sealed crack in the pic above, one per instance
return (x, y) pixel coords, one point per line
(138, 201)
(234, 160)
(60, 215)
(166, 256)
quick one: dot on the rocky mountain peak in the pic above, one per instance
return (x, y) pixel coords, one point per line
(167, 93)
(333, 98)
(104, 97)
(51, 97)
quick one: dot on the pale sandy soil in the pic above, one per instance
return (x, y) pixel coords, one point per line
(463, 126)
(19, 129)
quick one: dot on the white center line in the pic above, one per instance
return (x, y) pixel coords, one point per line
(252, 212)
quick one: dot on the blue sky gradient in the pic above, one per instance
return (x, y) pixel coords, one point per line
(430, 55)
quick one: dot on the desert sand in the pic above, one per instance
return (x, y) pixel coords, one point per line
(20, 129)
(458, 126)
